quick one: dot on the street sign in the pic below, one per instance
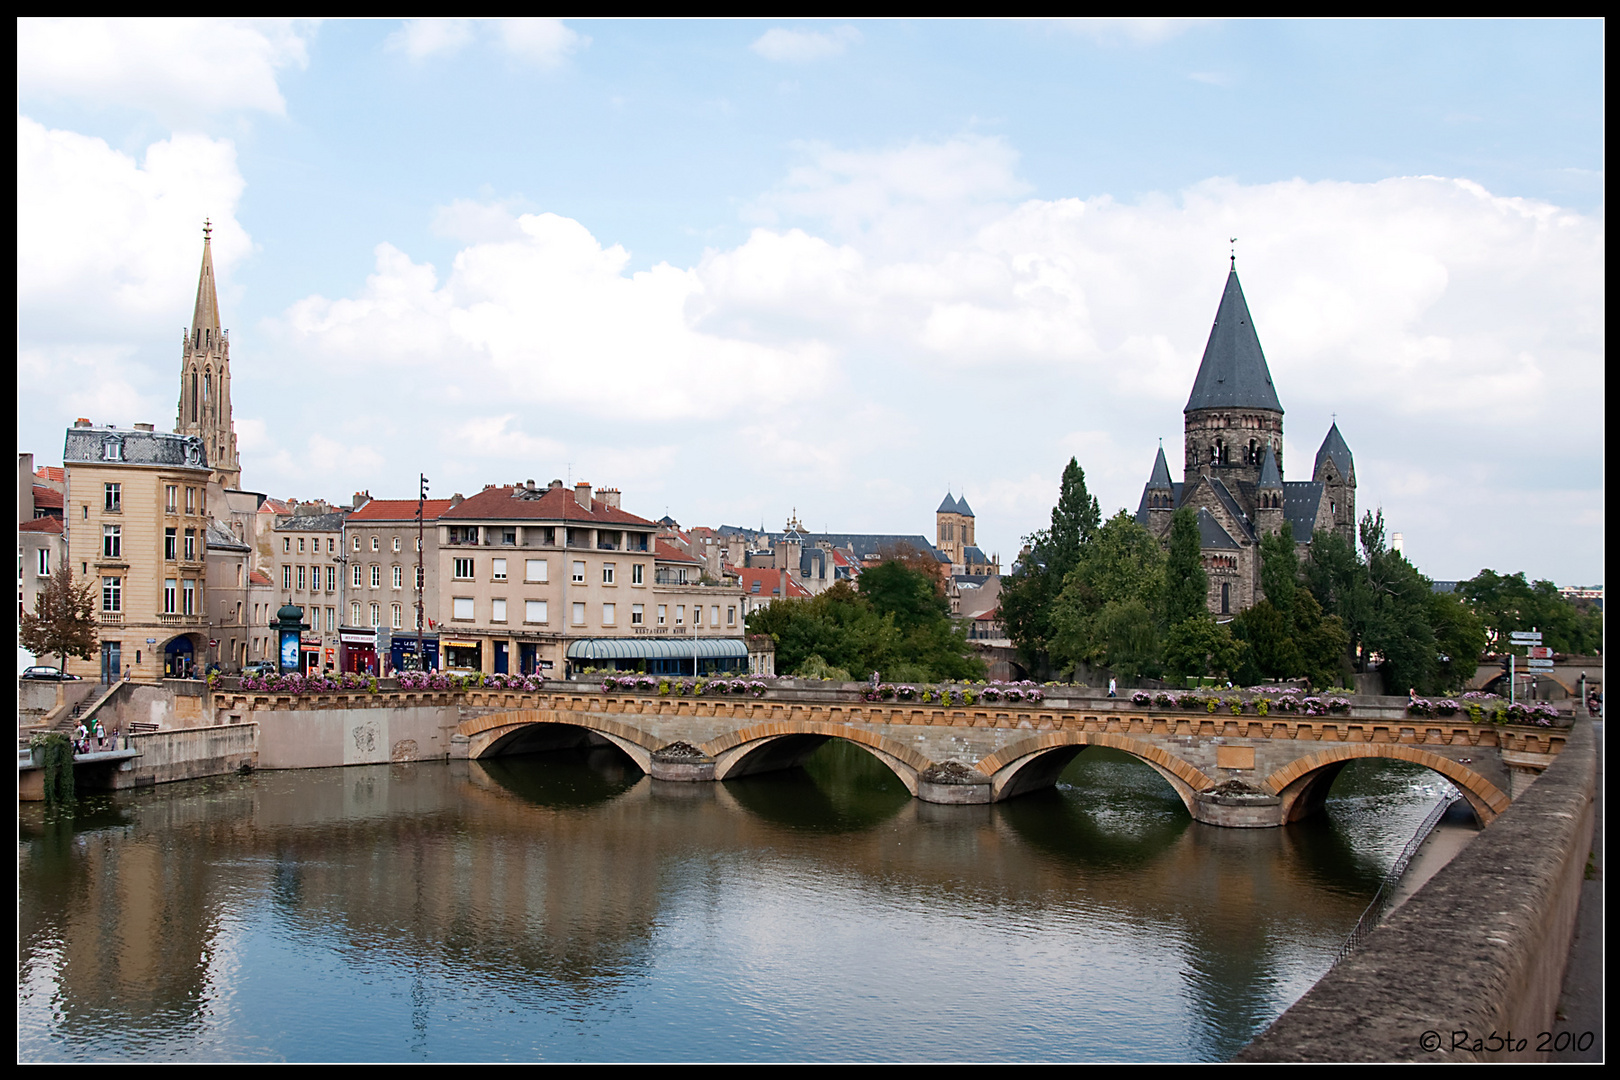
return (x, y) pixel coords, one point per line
(1525, 637)
(213, 643)
(151, 641)
(1540, 652)
(1538, 663)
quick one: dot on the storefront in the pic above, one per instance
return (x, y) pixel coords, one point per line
(358, 650)
(462, 654)
(530, 661)
(661, 656)
(310, 654)
(404, 655)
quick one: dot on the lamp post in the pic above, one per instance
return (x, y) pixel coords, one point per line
(421, 501)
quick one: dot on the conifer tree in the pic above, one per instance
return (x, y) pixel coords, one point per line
(1186, 583)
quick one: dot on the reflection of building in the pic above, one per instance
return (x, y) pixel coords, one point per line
(137, 522)
(527, 574)
(1234, 468)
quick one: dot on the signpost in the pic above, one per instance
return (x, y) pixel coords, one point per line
(1532, 638)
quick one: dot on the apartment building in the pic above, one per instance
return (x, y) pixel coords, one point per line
(381, 550)
(552, 579)
(307, 569)
(136, 516)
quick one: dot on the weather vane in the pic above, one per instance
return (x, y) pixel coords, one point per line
(1234, 252)
(208, 228)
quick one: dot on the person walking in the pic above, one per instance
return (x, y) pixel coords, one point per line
(1113, 688)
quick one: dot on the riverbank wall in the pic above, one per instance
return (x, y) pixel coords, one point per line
(1475, 956)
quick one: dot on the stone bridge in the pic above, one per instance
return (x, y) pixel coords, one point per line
(1243, 771)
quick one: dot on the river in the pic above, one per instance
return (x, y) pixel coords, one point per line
(562, 907)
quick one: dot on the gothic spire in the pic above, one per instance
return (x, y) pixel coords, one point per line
(206, 314)
(1161, 472)
(1233, 373)
(1270, 476)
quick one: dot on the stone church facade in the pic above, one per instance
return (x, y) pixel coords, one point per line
(1232, 465)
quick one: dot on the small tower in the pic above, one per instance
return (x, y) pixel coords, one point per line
(205, 377)
(1268, 496)
(948, 529)
(1160, 497)
(1233, 413)
(1336, 472)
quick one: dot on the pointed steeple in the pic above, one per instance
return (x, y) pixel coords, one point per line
(963, 508)
(206, 314)
(1233, 373)
(1270, 476)
(1161, 473)
(948, 506)
(1334, 448)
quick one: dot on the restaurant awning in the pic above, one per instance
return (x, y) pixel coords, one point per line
(656, 648)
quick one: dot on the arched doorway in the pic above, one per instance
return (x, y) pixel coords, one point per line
(179, 658)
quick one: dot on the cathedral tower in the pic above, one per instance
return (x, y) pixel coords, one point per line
(1336, 472)
(1233, 414)
(205, 377)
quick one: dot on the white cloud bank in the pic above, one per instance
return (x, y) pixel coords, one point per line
(804, 46)
(543, 43)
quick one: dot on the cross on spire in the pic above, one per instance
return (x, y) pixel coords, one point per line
(1234, 252)
(208, 228)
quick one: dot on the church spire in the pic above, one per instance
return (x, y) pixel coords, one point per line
(1233, 373)
(206, 314)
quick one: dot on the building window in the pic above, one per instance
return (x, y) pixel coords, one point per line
(357, 548)
(579, 614)
(300, 545)
(534, 611)
(398, 616)
(191, 545)
(420, 571)
(358, 570)
(579, 573)
(462, 608)
(396, 543)
(376, 576)
(331, 580)
(286, 578)
(354, 613)
(636, 572)
(637, 614)
(112, 594)
(191, 500)
(399, 577)
(418, 543)
(44, 562)
(714, 614)
(331, 544)
(188, 597)
(607, 614)
(113, 496)
(171, 544)
(731, 615)
(112, 449)
(464, 569)
(497, 610)
(680, 614)
(374, 546)
(170, 591)
(534, 570)
(498, 569)
(112, 541)
(697, 614)
(171, 498)
(663, 611)
(376, 615)
(331, 619)
(509, 537)
(300, 579)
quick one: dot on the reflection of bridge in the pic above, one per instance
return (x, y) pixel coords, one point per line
(1244, 771)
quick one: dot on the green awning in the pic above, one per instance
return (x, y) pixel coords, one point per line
(656, 648)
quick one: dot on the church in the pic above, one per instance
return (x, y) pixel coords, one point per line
(1233, 465)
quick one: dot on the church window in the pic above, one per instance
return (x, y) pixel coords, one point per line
(1226, 598)
(194, 396)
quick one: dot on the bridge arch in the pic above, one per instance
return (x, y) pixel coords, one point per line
(781, 745)
(1303, 784)
(1036, 762)
(498, 733)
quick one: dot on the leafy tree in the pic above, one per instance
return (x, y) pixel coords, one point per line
(1322, 643)
(63, 622)
(1186, 583)
(1196, 646)
(1397, 627)
(1505, 603)
(1279, 569)
(1338, 580)
(1269, 634)
(1110, 608)
(909, 594)
(1459, 639)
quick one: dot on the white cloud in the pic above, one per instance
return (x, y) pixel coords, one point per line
(180, 69)
(804, 46)
(545, 42)
(421, 38)
(1132, 31)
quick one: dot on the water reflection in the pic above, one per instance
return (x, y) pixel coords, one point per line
(560, 906)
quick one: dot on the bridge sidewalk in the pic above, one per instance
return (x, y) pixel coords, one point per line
(1580, 1005)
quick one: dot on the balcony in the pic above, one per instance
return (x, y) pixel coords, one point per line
(112, 618)
(181, 620)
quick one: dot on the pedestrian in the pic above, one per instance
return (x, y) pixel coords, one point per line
(126, 672)
(1113, 689)
(1411, 696)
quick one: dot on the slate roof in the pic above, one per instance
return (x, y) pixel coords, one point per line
(221, 538)
(1210, 533)
(864, 545)
(332, 522)
(1161, 473)
(974, 555)
(948, 506)
(1270, 477)
(1301, 500)
(1334, 447)
(1233, 373)
(87, 445)
(963, 508)
(1231, 504)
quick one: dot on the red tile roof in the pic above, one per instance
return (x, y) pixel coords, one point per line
(47, 498)
(43, 524)
(51, 474)
(399, 510)
(557, 504)
(769, 582)
(274, 506)
(259, 577)
(666, 552)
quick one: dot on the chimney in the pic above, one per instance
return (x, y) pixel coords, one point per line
(610, 496)
(528, 485)
(582, 494)
(82, 422)
(554, 484)
(456, 499)
(360, 499)
(144, 427)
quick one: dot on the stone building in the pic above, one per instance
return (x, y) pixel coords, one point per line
(953, 532)
(1233, 465)
(205, 378)
(380, 547)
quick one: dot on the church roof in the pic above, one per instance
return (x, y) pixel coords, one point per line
(206, 314)
(1210, 533)
(1161, 472)
(1335, 448)
(1270, 476)
(963, 508)
(1233, 373)
(948, 506)
(1301, 501)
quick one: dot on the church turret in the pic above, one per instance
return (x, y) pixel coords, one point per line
(1233, 415)
(1160, 497)
(1336, 472)
(205, 377)
(1268, 496)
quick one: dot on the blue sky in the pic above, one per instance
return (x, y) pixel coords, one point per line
(742, 268)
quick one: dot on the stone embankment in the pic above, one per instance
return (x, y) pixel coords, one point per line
(1475, 956)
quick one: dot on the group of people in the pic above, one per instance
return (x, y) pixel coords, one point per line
(93, 739)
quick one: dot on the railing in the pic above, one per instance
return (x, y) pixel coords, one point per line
(166, 619)
(1386, 888)
(112, 618)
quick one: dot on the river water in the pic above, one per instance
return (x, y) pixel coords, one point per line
(562, 907)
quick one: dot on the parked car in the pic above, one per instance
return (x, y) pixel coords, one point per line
(53, 673)
(259, 668)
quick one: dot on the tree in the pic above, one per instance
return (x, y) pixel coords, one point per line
(1186, 583)
(1111, 606)
(1279, 569)
(1338, 581)
(1029, 592)
(1271, 651)
(1459, 639)
(1075, 520)
(1196, 646)
(63, 622)
(1505, 603)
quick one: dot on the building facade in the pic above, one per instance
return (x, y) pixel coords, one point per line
(387, 577)
(1232, 458)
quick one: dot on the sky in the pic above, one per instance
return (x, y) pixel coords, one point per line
(746, 269)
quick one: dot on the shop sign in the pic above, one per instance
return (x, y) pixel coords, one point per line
(460, 644)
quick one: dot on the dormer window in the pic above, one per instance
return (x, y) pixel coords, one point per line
(112, 449)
